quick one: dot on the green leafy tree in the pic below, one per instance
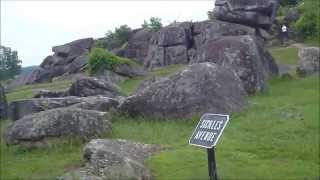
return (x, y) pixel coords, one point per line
(10, 64)
(154, 24)
(114, 39)
(309, 22)
(210, 15)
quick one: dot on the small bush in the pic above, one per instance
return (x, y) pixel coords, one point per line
(102, 59)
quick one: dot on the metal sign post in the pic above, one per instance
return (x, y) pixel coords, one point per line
(212, 164)
(207, 134)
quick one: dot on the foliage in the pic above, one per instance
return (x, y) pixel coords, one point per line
(211, 16)
(10, 64)
(114, 39)
(309, 22)
(102, 59)
(154, 24)
(289, 2)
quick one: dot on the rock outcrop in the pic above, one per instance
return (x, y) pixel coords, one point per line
(244, 55)
(309, 61)
(56, 123)
(67, 59)
(92, 87)
(21, 108)
(138, 45)
(3, 103)
(259, 14)
(200, 88)
(114, 159)
(179, 43)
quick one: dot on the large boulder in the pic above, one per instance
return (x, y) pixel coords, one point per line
(59, 122)
(252, 13)
(92, 87)
(3, 103)
(309, 61)
(245, 55)
(114, 160)
(74, 48)
(21, 108)
(200, 88)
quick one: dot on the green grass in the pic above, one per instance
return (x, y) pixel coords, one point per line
(27, 91)
(286, 55)
(277, 137)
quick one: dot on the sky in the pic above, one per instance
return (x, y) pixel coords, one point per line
(33, 27)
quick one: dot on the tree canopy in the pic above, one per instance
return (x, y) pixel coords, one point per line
(10, 64)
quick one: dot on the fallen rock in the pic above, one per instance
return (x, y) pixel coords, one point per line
(110, 76)
(43, 93)
(98, 103)
(21, 108)
(244, 55)
(129, 70)
(309, 61)
(114, 160)
(200, 88)
(3, 103)
(92, 87)
(59, 122)
(252, 13)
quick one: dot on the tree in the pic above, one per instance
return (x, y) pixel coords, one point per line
(210, 15)
(10, 64)
(114, 39)
(154, 24)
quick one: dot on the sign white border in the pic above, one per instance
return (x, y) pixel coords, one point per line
(214, 144)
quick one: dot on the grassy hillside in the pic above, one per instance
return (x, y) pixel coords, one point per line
(276, 137)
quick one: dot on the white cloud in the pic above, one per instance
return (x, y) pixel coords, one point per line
(33, 27)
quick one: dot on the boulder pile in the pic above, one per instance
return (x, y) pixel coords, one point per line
(67, 59)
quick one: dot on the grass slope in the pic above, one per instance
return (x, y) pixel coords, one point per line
(286, 55)
(27, 91)
(277, 137)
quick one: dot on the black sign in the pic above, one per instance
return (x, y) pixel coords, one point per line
(209, 130)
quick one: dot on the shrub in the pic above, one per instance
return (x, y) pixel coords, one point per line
(309, 22)
(102, 59)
